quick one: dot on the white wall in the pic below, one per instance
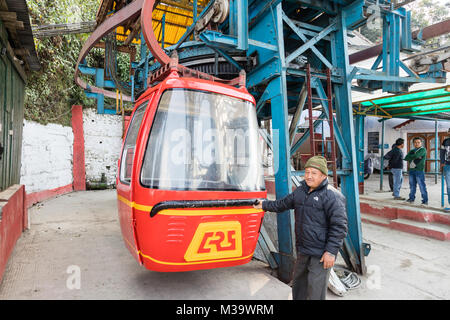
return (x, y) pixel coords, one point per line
(102, 143)
(46, 156)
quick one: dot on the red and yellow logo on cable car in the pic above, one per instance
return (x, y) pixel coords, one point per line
(215, 240)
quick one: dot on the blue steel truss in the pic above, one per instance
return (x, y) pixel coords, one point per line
(279, 35)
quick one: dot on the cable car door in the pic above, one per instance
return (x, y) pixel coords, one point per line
(124, 180)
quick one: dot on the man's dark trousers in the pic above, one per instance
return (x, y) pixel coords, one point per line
(310, 278)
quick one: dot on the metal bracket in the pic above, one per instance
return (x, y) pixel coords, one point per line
(268, 248)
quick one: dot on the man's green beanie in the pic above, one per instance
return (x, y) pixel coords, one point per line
(319, 163)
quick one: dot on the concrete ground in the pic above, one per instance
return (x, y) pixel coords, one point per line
(402, 266)
(80, 232)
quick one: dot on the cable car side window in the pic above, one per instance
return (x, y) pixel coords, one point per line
(126, 162)
(203, 141)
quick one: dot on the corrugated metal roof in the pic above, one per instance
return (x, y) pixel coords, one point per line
(178, 17)
(176, 22)
(25, 36)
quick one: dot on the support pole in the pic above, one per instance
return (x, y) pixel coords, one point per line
(360, 150)
(310, 112)
(344, 111)
(281, 151)
(436, 152)
(442, 189)
(382, 156)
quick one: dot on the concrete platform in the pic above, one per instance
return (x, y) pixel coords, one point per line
(372, 191)
(81, 230)
(427, 220)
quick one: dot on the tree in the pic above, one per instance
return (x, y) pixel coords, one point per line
(428, 12)
(423, 13)
(52, 91)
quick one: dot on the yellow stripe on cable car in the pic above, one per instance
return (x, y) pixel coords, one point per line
(134, 204)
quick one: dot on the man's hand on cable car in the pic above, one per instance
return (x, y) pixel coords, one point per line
(258, 205)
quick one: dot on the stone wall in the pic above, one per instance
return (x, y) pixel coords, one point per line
(47, 153)
(102, 143)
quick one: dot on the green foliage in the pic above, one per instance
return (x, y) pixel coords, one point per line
(375, 34)
(427, 12)
(423, 13)
(52, 91)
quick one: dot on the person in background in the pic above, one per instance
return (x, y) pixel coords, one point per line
(445, 163)
(416, 158)
(320, 228)
(395, 157)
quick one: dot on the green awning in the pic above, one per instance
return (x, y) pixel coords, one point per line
(430, 103)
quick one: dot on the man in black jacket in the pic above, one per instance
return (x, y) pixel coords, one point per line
(320, 228)
(395, 157)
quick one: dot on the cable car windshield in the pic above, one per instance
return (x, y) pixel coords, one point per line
(203, 141)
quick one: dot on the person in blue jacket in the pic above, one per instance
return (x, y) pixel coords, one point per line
(395, 157)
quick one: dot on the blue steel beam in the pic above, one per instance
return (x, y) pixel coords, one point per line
(100, 82)
(381, 76)
(213, 45)
(242, 24)
(191, 28)
(283, 185)
(163, 29)
(268, 28)
(310, 43)
(335, 78)
(391, 61)
(359, 130)
(337, 129)
(299, 32)
(262, 100)
(382, 154)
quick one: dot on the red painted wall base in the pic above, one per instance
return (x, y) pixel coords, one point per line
(39, 196)
(13, 220)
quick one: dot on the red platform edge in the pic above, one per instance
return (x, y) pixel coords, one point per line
(391, 213)
(14, 219)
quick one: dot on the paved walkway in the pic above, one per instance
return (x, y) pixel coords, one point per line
(79, 232)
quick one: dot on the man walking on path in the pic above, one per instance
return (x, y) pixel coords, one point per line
(395, 157)
(320, 228)
(416, 159)
(445, 162)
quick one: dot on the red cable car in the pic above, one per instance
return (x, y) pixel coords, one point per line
(189, 173)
